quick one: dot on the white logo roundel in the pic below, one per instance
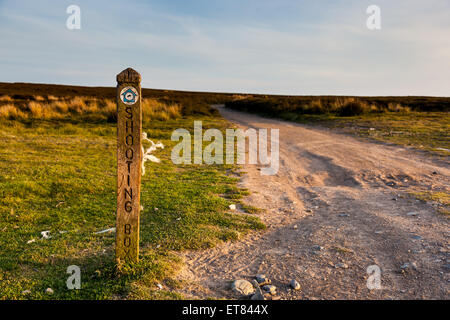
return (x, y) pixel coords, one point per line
(129, 95)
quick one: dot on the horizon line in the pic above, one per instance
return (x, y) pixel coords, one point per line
(230, 93)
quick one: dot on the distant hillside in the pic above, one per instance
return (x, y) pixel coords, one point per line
(291, 106)
(199, 102)
(191, 102)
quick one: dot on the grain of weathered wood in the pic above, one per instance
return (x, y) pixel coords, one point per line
(128, 75)
(129, 158)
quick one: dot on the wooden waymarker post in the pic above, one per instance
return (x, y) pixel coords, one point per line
(129, 159)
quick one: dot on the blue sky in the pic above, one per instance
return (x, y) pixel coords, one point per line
(282, 47)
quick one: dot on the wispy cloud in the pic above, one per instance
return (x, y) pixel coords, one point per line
(319, 48)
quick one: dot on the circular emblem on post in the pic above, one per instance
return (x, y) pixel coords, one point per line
(129, 95)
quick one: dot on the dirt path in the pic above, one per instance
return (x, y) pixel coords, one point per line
(336, 192)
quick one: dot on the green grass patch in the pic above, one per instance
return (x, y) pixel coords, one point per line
(250, 209)
(424, 130)
(442, 199)
(61, 176)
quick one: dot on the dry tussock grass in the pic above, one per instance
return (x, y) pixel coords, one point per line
(152, 109)
(84, 107)
(9, 111)
(292, 106)
(397, 107)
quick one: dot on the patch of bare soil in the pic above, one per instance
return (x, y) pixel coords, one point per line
(337, 205)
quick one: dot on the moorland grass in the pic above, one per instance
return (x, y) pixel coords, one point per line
(59, 175)
(441, 199)
(272, 105)
(81, 108)
(427, 131)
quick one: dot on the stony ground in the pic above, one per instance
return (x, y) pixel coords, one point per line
(337, 205)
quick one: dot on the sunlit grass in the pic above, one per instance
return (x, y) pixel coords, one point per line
(85, 108)
(440, 198)
(422, 130)
(60, 176)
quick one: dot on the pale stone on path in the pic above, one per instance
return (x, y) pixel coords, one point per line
(242, 287)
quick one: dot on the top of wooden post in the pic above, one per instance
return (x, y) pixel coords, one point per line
(128, 75)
